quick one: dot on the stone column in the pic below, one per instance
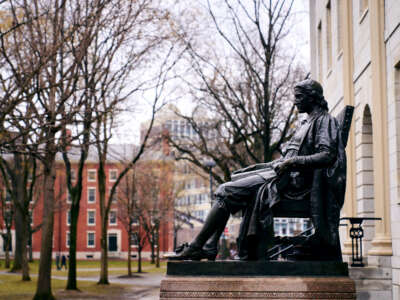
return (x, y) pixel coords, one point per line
(382, 242)
(349, 209)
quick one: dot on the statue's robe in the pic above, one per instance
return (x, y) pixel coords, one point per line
(320, 190)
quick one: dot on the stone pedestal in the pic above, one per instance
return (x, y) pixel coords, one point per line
(257, 280)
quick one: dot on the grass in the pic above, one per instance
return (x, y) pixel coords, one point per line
(11, 287)
(115, 267)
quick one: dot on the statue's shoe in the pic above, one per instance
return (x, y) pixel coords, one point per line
(190, 252)
(210, 253)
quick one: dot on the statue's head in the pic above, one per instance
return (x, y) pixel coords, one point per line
(312, 90)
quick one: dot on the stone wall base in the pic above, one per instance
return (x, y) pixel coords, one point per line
(265, 287)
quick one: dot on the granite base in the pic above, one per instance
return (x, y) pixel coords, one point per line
(333, 285)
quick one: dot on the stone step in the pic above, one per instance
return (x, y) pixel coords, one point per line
(372, 282)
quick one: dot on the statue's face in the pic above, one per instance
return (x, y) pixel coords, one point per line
(304, 104)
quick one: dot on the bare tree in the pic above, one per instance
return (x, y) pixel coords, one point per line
(128, 214)
(155, 190)
(242, 90)
(113, 95)
(19, 170)
(103, 77)
(42, 57)
(126, 210)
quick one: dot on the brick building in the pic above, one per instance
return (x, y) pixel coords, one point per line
(89, 230)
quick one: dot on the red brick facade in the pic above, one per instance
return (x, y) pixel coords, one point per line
(89, 231)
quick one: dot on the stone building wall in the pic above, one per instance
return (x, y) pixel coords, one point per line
(357, 59)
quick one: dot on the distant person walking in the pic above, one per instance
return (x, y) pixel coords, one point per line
(63, 262)
(58, 262)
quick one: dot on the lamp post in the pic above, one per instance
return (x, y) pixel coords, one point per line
(210, 164)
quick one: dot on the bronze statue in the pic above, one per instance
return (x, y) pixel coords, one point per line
(310, 178)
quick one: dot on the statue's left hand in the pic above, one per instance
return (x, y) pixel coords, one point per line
(284, 166)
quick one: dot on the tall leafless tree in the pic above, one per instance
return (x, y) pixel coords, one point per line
(42, 57)
(155, 188)
(151, 54)
(242, 88)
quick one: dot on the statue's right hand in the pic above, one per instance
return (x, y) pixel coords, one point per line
(249, 168)
(237, 171)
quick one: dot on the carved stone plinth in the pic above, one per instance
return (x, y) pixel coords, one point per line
(225, 286)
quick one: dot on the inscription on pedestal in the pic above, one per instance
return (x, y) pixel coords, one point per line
(334, 285)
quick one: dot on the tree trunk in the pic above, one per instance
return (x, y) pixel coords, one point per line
(43, 291)
(19, 230)
(25, 265)
(7, 254)
(73, 232)
(104, 258)
(152, 253)
(21, 244)
(158, 249)
(104, 224)
(24, 250)
(139, 265)
(129, 251)
(30, 244)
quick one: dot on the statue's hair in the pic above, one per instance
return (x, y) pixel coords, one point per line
(314, 90)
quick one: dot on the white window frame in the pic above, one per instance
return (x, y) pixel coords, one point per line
(87, 217)
(95, 174)
(67, 239)
(31, 216)
(7, 199)
(68, 217)
(116, 218)
(137, 240)
(73, 175)
(68, 198)
(87, 239)
(110, 177)
(88, 194)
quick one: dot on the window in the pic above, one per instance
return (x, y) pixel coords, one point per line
(284, 226)
(92, 175)
(91, 194)
(91, 217)
(69, 199)
(68, 217)
(339, 22)
(113, 217)
(73, 175)
(328, 36)
(67, 239)
(134, 239)
(90, 240)
(113, 174)
(31, 217)
(319, 52)
(8, 196)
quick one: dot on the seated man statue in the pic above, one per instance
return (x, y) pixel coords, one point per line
(310, 177)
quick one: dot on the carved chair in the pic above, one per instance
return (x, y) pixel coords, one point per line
(289, 209)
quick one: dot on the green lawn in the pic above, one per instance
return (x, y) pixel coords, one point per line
(115, 267)
(12, 288)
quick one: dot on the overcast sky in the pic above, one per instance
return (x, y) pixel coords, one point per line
(128, 131)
